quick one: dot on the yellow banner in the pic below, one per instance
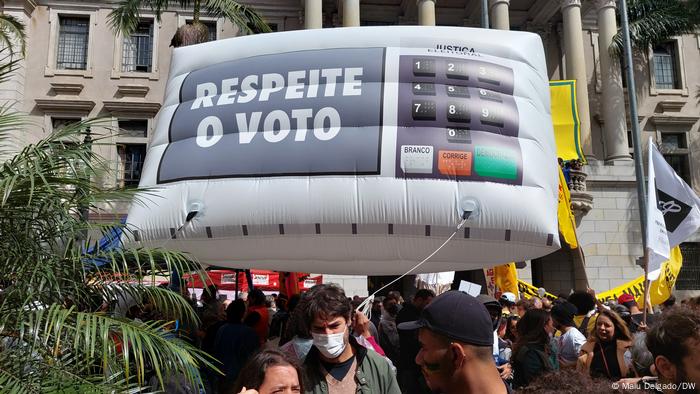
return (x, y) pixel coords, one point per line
(528, 291)
(567, 223)
(659, 292)
(660, 289)
(567, 127)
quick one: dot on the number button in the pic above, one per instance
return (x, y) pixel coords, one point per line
(458, 112)
(424, 67)
(491, 115)
(424, 88)
(456, 70)
(490, 74)
(457, 91)
(486, 94)
(423, 110)
(459, 136)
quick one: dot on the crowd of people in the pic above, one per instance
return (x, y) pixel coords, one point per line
(319, 342)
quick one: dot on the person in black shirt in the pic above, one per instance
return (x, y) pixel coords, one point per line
(410, 379)
(456, 336)
(603, 354)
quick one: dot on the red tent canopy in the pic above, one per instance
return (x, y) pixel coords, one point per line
(262, 279)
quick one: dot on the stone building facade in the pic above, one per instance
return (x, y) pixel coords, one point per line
(77, 68)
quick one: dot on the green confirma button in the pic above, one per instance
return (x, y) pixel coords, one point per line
(495, 162)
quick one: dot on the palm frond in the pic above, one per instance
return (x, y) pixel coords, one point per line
(125, 18)
(53, 335)
(57, 331)
(655, 21)
(241, 15)
(12, 33)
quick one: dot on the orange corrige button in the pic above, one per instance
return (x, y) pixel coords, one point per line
(455, 162)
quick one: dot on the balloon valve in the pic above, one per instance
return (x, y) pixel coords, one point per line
(469, 208)
(193, 210)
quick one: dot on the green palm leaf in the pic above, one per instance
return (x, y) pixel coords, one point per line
(125, 17)
(655, 21)
(12, 33)
(54, 335)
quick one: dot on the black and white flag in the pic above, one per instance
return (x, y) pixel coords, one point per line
(677, 202)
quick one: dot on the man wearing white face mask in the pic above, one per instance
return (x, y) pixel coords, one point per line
(337, 364)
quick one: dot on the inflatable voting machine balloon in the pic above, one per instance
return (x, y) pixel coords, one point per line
(354, 150)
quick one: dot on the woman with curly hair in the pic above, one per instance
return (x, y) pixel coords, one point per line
(603, 354)
(533, 351)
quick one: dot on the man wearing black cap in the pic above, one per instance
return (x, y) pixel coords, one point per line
(456, 337)
(571, 339)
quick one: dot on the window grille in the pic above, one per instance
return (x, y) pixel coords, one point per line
(679, 163)
(133, 128)
(665, 67)
(211, 27)
(72, 43)
(59, 123)
(130, 164)
(137, 50)
(689, 277)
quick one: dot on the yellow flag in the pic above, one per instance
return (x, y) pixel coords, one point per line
(506, 278)
(565, 120)
(661, 289)
(567, 223)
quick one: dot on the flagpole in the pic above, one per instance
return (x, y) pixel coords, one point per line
(634, 121)
(647, 284)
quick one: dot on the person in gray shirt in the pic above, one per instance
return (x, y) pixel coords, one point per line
(571, 339)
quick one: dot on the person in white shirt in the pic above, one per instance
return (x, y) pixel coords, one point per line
(571, 339)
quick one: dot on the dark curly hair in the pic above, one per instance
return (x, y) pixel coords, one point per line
(669, 334)
(326, 301)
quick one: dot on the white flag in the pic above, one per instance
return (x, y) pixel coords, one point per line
(677, 201)
(657, 237)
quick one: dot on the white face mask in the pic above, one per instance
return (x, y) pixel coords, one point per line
(331, 346)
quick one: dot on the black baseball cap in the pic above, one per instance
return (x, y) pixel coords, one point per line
(458, 316)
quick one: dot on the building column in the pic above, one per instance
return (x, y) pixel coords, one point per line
(313, 16)
(426, 12)
(500, 18)
(613, 103)
(576, 67)
(351, 13)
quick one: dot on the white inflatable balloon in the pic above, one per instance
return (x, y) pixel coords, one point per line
(354, 151)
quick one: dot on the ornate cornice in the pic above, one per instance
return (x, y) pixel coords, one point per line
(667, 120)
(601, 4)
(570, 3)
(131, 108)
(26, 6)
(63, 105)
(672, 105)
(67, 89)
(132, 90)
(494, 2)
